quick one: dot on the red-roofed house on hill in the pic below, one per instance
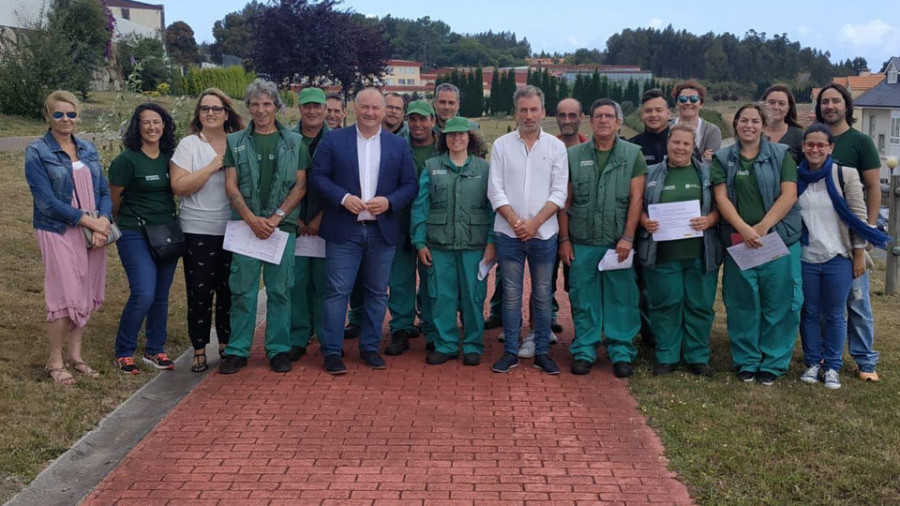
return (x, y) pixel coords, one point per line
(879, 109)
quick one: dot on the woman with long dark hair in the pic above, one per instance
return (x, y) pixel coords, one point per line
(197, 177)
(142, 197)
(782, 125)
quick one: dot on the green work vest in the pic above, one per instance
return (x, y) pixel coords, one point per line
(460, 215)
(767, 168)
(288, 156)
(645, 248)
(311, 204)
(600, 198)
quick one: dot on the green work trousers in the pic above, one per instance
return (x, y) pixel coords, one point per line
(402, 296)
(680, 297)
(602, 303)
(763, 306)
(244, 283)
(307, 297)
(454, 286)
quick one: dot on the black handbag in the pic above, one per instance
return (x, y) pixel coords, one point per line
(166, 241)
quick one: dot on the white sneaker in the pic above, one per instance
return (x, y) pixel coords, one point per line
(553, 338)
(812, 374)
(500, 336)
(526, 350)
(832, 379)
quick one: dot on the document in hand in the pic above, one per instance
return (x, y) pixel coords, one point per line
(675, 220)
(311, 246)
(484, 268)
(772, 248)
(239, 238)
(610, 261)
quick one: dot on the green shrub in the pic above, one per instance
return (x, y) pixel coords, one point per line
(231, 80)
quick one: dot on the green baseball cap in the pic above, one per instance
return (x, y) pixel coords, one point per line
(312, 96)
(420, 107)
(456, 124)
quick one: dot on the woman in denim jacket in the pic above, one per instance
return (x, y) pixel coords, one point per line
(67, 182)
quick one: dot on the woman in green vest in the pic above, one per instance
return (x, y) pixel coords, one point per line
(452, 230)
(755, 184)
(681, 275)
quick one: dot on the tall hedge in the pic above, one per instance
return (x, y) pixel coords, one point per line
(232, 80)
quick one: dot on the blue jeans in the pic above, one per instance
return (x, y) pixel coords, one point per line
(149, 283)
(861, 325)
(823, 324)
(367, 254)
(541, 256)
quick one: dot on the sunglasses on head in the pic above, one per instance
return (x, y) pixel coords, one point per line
(683, 99)
(60, 114)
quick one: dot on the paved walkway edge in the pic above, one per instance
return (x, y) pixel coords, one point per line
(72, 476)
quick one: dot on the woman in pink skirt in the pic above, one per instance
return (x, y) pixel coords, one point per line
(67, 182)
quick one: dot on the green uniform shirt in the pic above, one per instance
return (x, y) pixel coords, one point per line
(420, 155)
(856, 149)
(749, 203)
(682, 184)
(147, 193)
(602, 157)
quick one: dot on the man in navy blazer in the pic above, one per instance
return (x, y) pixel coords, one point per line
(365, 177)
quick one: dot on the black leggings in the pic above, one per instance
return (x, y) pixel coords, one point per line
(206, 270)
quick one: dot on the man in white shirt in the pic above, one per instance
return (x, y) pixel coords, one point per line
(529, 174)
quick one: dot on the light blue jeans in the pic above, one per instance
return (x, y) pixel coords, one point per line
(823, 325)
(541, 256)
(861, 325)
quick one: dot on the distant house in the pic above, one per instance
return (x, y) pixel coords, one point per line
(404, 76)
(880, 111)
(138, 18)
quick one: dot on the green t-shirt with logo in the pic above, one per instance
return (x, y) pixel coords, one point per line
(749, 203)
(266, 150)
(856, 149)
(420, 155)
(682, 184)
(147, 192)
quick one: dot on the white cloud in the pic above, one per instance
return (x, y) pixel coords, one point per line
(573, 41)
(871, 34)
(803, 30)
(656, 23)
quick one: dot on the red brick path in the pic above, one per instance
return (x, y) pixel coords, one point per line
(411, 434)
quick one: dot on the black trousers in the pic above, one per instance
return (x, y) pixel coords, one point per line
(207, 268)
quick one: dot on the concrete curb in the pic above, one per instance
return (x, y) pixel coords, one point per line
(72, 476)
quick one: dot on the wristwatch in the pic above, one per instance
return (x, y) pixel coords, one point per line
(279, 212)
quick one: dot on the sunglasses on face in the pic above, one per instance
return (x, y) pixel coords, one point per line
(683, 99)
(60, 114)
(215, 109)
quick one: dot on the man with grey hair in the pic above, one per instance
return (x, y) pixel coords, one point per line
(527, 187)
(446, 105)
(602, 214)
(265, 180)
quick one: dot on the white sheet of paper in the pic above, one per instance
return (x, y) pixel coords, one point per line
(485, 268)
(311, 246)
(675, 220)
(610, 261)
(773, 248)
(240, 239)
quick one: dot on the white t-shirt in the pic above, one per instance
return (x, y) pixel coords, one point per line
(823, 224)
(207, 211)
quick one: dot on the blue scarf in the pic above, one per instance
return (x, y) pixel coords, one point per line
(859, 227)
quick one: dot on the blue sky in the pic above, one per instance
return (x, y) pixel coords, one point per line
(867, 29)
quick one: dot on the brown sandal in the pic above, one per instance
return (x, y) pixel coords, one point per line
(199, 362)
(60, 376)
(85, 369)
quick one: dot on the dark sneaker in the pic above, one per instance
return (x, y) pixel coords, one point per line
(126, 365)
(429, 347)
(555, 327)
(232, 364)
(471, 359)
(493, 322)
(334, 364)
(372, 359)
(623, 369)
(351, 331)
(647, 338)
(581, 367)
(746, 376)
(280, 363)
(662, 369)
(546, 364)
(438, 358)
(399, 343)
(506, 362)
(702, 370)
(159, 361)
(296, 352)
(765, 378)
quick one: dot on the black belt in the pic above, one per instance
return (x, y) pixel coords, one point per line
(366, 223)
